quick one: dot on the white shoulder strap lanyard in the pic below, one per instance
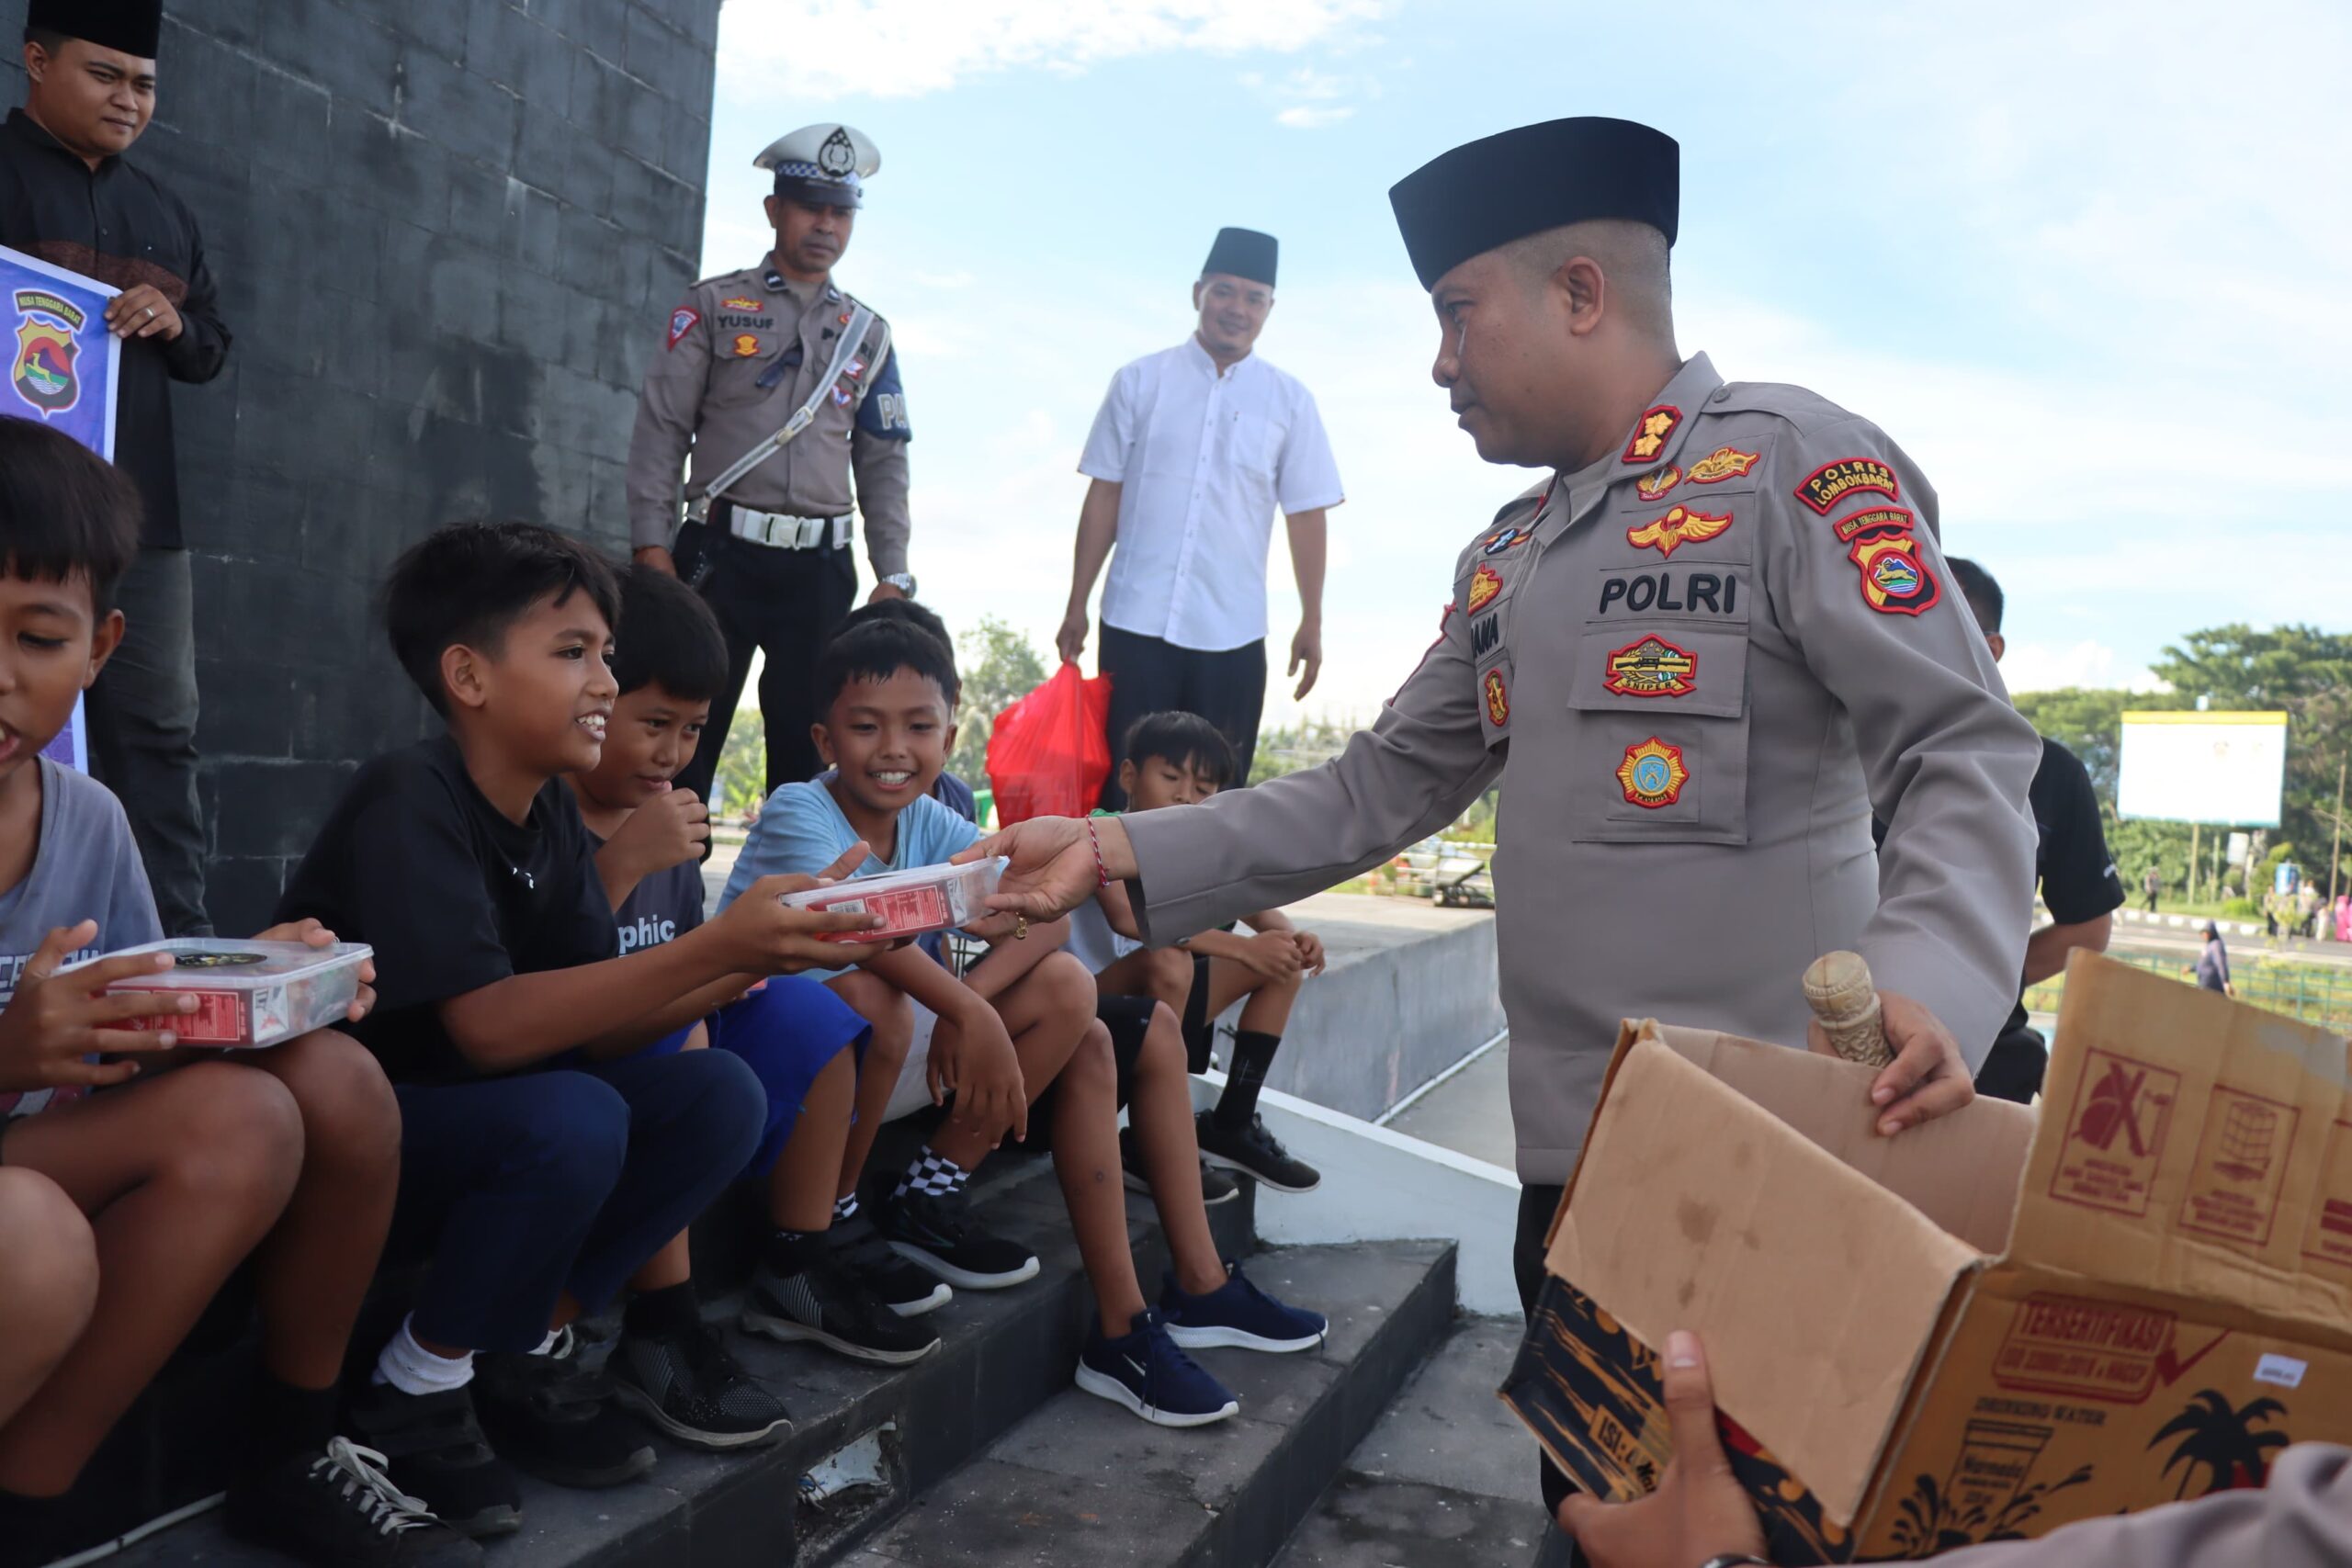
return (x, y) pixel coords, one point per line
(852, 337)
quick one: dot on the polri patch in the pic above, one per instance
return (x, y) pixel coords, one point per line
(1896, 581)
(1485, 583)
(746, 345)
(1652, 774)
(1650, 432)
(1650, 487)
(1723, 463)
(1841, 477)
(1717, 593)
(1652, 666)
(683, 320)
(1504, 539)
(1873, 519)
(1680, 527)
(1497, 699)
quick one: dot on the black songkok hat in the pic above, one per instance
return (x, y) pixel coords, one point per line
(133, 26)
(1243, 253)
(1504, 187)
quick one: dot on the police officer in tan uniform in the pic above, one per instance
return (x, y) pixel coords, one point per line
(1697, 653)
(746, 355)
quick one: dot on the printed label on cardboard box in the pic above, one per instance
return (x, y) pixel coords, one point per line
(2327, 1236)
(2242, 1156)
(218, 1018)
(904, 910)
(2115, 1133)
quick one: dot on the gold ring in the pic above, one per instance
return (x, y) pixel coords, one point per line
(1020, 928)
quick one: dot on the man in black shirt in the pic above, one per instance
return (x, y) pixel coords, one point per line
(68, 198)
(2079, 886)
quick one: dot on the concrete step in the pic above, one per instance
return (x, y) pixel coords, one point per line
(1006, 1353)
(1445, 1480)
(1083, 1483)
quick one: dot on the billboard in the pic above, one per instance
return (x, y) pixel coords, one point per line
(63, 366)
(2203, 767)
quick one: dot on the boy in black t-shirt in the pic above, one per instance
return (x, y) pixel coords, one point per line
(537, 1189)
(801, 1040)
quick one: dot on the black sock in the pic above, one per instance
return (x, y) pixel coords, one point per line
(673, 1309)
(792, 1252)
(1253, 1052)
(36, 1525)
(289, 1420)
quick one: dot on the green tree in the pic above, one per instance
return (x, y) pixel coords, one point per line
(742, 778)
(999, 668)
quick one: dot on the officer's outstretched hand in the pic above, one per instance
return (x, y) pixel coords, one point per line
(1698, 1512)
(1928, 1076)
(1052, 866)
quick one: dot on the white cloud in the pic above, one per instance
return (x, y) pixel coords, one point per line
(822, 48)
(1313, 117)
(2046, 667)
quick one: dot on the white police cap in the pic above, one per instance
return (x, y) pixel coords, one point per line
(822, 164)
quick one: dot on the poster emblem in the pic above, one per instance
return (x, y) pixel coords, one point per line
(44, 372)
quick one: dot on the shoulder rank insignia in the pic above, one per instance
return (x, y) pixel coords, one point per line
(1650, 432)
(1497, 699)
(682, 321)
(1651, 667)
(1503, 539)
(1485, 583)
(1896, 581)
(1723, 463)
(1680, 527)
(743, 302)
(1841, 477)
(746, 345)
(1652, 774)
(1652, 486)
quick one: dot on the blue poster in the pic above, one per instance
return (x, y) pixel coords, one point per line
(63, 368)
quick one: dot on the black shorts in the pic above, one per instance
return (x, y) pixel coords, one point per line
(1199, 1031)
(1129, 1020)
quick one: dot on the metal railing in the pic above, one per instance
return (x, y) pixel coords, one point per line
(2310, 993)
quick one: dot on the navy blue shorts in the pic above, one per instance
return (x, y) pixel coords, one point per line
(786, 1032)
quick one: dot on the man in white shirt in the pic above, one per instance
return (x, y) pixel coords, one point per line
(1193, 450)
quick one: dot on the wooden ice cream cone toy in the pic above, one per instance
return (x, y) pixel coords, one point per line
(1837, 987)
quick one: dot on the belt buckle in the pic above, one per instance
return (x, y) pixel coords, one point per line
(809, 533)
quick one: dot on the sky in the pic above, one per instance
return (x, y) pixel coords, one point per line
(2089, 264)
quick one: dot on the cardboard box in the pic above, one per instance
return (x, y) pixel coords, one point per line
(1982, 1329)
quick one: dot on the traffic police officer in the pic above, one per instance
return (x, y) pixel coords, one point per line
(1704, 645)
(746, 355)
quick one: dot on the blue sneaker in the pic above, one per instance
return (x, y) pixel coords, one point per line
(1146, 1372)
(1237, 1313)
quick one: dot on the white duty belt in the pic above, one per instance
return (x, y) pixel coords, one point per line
(774, 528)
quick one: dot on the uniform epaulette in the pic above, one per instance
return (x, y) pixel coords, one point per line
(1535, 492)
(1807, 410)
(719, 278)
(852, 302)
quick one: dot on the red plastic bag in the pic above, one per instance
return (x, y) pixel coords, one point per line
(1050, 752)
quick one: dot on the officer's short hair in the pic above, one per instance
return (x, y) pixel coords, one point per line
(1636, 258)
(875, 649)
(470, 582)
(1184, 740)
(1984, 594)
(667, 636)
(66, 513)
(916, 615)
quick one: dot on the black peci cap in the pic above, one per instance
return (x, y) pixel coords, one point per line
(1243, 253)
(132, 26)
(1504, 187)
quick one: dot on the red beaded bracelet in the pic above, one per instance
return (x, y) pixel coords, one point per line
(1101, 868)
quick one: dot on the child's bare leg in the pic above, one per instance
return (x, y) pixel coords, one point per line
(1160, 1107)
(1086, 1158)
(182, 1176)
(1148, 972)
(1046, 1011)
(891, 1015)
(1267, 1009)
(49, 1283)
(312, 1271)
(801, 1186)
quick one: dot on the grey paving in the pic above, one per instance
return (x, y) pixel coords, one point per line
(1469, 1112)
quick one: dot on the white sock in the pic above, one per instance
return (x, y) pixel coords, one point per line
(547, 1345)
(412, 1369)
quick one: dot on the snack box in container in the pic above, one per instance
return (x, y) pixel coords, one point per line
(911, 902)
(248, 993)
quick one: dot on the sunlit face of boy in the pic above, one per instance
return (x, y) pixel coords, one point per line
(53, 645)
(652, 735)
(545, 689)
(889, 739)
(1155, 781)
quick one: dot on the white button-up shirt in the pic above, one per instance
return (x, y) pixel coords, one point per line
(1203, 458)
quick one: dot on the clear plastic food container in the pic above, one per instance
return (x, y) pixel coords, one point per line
(248, 993)
(911, 902)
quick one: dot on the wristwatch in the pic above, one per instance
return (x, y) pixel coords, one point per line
(904, 581)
